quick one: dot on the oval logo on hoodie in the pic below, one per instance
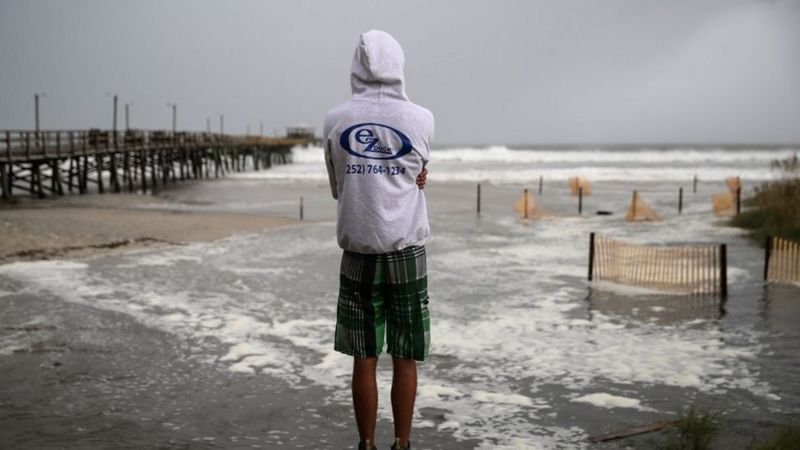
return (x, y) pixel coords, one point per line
(375, 141)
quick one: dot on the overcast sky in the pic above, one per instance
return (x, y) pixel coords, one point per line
(492, 72)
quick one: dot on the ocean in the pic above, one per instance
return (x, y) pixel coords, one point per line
(526, 354)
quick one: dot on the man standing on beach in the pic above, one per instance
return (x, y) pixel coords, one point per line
(376, 148)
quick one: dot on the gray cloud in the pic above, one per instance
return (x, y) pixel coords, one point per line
(492, 72)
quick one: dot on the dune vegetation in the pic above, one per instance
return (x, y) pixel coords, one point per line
(774, 207)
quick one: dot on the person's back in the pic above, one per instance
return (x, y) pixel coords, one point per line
(376, 144)
(376, 147)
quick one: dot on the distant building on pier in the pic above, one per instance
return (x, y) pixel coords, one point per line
(301, 131)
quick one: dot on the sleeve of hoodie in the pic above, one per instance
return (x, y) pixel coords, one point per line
(329, 159)
(431, 130)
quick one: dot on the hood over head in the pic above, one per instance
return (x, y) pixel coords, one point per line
(377, 69)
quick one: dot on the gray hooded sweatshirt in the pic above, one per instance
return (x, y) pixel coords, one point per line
(376, 144)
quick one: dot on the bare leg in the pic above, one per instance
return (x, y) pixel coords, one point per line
(365, 396)
(404, 392)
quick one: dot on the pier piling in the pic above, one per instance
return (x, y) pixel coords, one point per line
(40, 162)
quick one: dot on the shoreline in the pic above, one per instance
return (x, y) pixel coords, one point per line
(94, 224)
(123, 337)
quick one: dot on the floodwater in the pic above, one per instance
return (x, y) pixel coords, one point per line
(230, 344)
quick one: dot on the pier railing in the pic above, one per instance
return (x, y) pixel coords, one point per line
(28, 145)
(42, 162)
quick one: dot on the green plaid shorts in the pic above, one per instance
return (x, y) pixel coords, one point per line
(384, 294)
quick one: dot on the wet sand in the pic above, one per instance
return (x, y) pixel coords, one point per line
(97, 374)
(81, 377)
(84, 226)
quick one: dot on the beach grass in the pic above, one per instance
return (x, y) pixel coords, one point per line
(786, 437)
(699, 429)
(774, 208)
(696, 430)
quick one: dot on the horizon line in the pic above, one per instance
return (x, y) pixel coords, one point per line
(661, 145)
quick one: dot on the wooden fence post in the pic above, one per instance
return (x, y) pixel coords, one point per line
(723, 270)
(591, 255)
(479, 199)
(738, 200)
(680, 200)
(767, 254)
(525, 202)
(782, 259)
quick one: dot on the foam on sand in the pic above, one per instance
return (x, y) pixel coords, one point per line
(507, 399)
(604, 400)
(437, 392)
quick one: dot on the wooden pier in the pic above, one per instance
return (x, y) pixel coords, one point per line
(53, 162)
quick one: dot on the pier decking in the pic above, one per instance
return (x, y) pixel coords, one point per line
(45, 162)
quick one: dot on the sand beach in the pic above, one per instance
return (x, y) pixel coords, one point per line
(82, 226)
